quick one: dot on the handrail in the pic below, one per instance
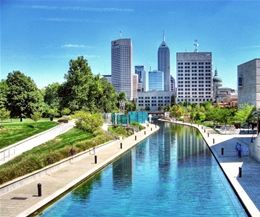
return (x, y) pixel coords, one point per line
(13, 147)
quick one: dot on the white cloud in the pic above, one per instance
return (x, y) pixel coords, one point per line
(59, 19)
(74, 46)
(43, 7)
(251, 47)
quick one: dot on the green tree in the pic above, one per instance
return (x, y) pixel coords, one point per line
(23, 97)
(65, 111)
(51, 95)
(244, 114)
(173, 100)
(167, 107)
(81, 87)
(200, 116)
(53, 113)
(3, 93)
(176, 111)
(147, 108)
(107, 100)
(36, 116)
(87, 121)
(4, 114)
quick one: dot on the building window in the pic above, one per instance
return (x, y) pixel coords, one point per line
(240, 81)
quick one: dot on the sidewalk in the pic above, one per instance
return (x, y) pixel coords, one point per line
(25, 200)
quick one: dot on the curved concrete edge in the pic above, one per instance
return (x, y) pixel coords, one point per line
(242, 195)
(83, 177)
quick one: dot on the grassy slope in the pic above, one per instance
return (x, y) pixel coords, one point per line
(15, 132)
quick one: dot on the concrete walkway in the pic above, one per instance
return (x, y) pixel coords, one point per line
(25, 200)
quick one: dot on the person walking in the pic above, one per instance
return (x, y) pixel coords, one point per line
(239, 150)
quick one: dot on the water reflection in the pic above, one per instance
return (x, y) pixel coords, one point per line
(123, 171)
(172, 173)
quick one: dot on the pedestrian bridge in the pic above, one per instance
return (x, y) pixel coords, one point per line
(157, 113)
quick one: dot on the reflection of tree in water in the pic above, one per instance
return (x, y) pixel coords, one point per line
(81, 193)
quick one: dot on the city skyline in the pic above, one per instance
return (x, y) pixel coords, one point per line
(39, 38)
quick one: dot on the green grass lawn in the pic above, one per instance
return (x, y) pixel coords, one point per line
(25, 120)
(15, 132)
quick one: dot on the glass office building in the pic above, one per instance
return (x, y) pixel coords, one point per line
(156, 80)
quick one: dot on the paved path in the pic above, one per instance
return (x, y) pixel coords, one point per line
(16, 149)
(247, 186)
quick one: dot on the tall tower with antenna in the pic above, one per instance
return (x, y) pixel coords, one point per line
(196, 45)
(164, 63)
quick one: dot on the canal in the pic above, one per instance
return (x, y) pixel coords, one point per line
(172, 173)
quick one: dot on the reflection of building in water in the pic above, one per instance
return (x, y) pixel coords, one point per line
(140, 151)
(123, 171)
(164, 152)
(190, 145)
(164, 146)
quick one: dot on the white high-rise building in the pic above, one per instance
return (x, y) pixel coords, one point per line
(194, 77)
(164, 63)
(121, 66)
(135, 85)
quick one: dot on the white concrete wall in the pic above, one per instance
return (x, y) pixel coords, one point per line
(255, 148)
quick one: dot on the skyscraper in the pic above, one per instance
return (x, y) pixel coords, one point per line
(141, 72)
(164, 63)
(121, 66)
(194, 77)
(156, 80)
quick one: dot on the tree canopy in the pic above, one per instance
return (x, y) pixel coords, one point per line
(82, 89)
(3, 93)
(23, 97)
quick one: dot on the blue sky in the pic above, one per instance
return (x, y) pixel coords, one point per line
(39, 38)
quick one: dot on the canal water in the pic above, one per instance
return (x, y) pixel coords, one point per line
(172, 173)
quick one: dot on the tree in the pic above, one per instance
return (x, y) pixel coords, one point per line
(65, 111)
(4, 114)
(173, 100)
(3, 93)
(244, 114)
(53, 113)
(23, 97)
(82, 88)
(36, 116)
(160, 108)
(176, 111)
(87, 121)
(147, 108)
(167, 107)
(107, 100)
(51, 95)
